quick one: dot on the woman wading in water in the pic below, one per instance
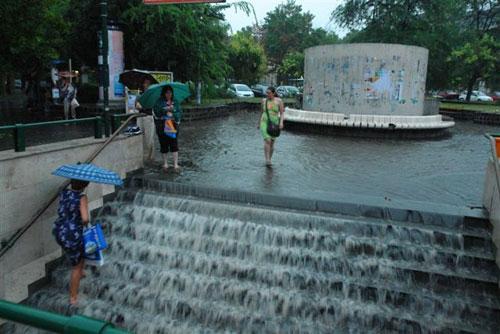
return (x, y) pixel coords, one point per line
(272, 109)
(167, 116)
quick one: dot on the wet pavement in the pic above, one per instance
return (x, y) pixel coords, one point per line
(228, 153)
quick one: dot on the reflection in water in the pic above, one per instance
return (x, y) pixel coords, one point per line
(267, 179)
(227, 152)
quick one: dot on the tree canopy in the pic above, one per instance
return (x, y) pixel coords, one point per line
(246, 58)
(287, 31)
(443, 27)
(32, 34)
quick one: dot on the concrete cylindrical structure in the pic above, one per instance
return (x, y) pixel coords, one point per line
(365, 78)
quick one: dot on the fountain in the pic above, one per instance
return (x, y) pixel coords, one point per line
(182, 261)
(374, 87)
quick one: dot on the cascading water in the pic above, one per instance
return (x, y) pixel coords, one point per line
(183, 265)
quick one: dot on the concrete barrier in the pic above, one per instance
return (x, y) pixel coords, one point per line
(26, 184)
(368, 121)
(491, 201)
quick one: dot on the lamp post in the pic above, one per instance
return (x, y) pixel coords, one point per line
(103, 63)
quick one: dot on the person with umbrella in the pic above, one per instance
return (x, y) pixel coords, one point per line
(165, 99)
(167, 115)
(73, 215)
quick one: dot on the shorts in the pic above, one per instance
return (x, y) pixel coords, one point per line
(167, 144)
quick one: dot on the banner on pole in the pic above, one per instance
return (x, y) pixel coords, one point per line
(165, 2)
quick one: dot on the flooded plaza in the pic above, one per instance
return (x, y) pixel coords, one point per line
(228, 153)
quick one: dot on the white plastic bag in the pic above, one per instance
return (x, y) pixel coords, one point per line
(74, 103)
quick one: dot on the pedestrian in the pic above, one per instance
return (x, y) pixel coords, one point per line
(68, 93)
(167, 115)
(272, 110)
(73, 215)
(146, 124)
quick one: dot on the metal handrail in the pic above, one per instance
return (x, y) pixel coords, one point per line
(494, 153)
(12, 240)
(19, 135)
(55, 322)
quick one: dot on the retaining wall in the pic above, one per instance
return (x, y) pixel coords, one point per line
(26, 184)
(491, 201)
(365, 78)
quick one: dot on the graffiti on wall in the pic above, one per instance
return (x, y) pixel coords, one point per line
(364, 81)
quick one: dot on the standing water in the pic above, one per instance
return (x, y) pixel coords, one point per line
(180, 264)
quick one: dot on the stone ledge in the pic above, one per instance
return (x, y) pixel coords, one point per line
(352, 205)
(54, 147)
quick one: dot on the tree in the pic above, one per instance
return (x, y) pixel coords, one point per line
(435, 25)
(292, 65)
(320, 36)
(475, 60)
(478, 57)
(190, 40)
(26, 47)
(286, 29)
(246, 58)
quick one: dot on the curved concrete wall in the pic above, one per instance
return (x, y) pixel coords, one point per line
(367, 78)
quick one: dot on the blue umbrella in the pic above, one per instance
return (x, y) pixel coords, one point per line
(89, 172)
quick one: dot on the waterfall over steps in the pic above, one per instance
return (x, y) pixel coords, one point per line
(182, 264)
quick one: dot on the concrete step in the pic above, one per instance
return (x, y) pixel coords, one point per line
(422, 213)
(256, 297)
(475, 243)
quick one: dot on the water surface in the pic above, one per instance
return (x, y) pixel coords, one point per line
(228, 153)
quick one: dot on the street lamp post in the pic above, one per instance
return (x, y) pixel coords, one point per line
(103, 63)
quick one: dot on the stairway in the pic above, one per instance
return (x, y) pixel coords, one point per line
(185, 264)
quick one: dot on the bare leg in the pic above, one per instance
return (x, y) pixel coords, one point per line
(271, 149)
(267, 151)
(76, 275)
(66, 110)
(165, 160)
(176, 160)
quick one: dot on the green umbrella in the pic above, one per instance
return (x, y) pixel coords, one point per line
(152, 94)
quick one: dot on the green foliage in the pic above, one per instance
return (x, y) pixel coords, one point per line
(246, 58)
(189, 40)
(287, 32)
(439, 26)
(88, 93)
(33, 32)
(475, 60)
(430, 24)
(288, 29)
(292, 65)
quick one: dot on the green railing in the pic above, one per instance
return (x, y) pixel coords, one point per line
(76, 324)
(19, 130)
(19, 233)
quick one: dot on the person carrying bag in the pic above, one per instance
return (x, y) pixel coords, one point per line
(271, 122)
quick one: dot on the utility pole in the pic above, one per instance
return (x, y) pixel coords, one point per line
(103, 64)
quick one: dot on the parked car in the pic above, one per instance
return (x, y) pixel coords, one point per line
(448, 95)
(240, 90)
(495, 96)
(476, 96)
(287, 91)
(259, 90)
